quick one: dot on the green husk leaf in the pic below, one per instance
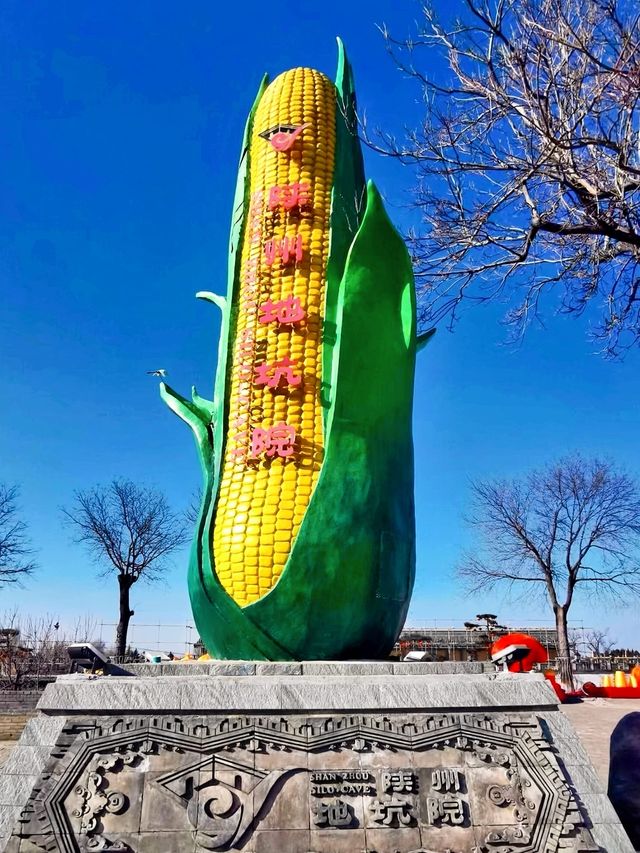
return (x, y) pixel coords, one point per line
(342, 594)
(345, 588)
(198, 417)
(208, 296)
(348, 198)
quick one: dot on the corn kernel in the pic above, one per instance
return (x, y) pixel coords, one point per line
(261, 502)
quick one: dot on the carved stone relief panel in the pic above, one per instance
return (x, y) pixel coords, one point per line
(430, 783)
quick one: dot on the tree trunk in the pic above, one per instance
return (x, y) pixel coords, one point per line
(125, 582)
(565, 666)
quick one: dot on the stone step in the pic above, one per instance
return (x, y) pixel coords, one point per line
(365, 691)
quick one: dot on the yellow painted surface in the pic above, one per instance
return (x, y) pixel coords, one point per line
(262, 501)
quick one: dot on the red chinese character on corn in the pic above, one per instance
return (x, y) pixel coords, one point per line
(289, 196)
(285, 311)
(287, 248)
(272, 374)
(277, 440)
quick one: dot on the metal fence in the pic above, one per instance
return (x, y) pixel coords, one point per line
(182, 637)
(605, 664)
(179, 638)
(34, 653)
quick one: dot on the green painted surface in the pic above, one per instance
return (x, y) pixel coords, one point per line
(348, 198)
(345, 588)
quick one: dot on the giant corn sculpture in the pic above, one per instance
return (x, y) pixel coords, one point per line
(305, 546)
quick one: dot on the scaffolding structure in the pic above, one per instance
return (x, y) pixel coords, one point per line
(461, 644)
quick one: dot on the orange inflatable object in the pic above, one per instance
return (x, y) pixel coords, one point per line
(537, 652)
(619, 679)
(610, 692)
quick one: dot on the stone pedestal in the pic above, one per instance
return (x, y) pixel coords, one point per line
(304, 758)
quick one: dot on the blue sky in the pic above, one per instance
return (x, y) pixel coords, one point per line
(120, 135)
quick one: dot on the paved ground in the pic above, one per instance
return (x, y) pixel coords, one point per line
(594, 720)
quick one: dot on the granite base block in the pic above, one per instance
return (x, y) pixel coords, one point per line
(280, 668)
(314, 761)
(292, 693)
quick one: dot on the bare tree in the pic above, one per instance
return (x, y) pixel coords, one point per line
(527, 160)
(574, 525)
(15, 551)
(598, 642)
(129, 530)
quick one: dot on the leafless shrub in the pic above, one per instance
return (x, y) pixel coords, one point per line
(33, 649)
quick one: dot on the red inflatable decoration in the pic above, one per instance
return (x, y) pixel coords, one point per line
(536, 654)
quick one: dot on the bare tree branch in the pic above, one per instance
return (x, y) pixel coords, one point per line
(15, 550)
(127, 528)
(527, 161)
(192, 512)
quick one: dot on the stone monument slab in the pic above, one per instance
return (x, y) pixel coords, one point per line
(475, 764)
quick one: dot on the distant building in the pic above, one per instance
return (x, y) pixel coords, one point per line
(463, 644)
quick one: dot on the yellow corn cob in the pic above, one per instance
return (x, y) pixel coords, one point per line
(262, 502)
